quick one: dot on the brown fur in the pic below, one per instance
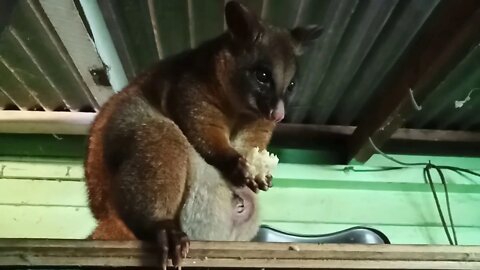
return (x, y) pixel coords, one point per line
(156, 132)
(167, 152)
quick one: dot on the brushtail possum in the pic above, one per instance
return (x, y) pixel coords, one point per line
(166, 155)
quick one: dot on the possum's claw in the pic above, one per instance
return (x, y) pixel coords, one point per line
(173, 243)
(252, 184)
(181, 244)
(163, 245)
(259, 183)
(269, 181)
(264, 183)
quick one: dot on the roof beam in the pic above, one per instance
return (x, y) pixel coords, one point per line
(446, 39)
(298, 136)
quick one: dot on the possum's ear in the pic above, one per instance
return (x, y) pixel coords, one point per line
(304, 35)
(243, 24)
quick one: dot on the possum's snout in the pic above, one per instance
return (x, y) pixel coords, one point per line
(278, 113)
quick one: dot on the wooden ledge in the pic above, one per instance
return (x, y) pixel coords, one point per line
(26, 253)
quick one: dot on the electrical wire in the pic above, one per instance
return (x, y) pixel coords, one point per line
(414, 102)
(394, 159)
(428, 179)
(452, 168)
(444, 182)
(457, 169)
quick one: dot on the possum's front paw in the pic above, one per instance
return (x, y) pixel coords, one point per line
(243, 175)
(260, 166)
(262, 183)
(254, 171)
(239, 173)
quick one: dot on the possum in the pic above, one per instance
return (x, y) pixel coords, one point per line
(168, 156)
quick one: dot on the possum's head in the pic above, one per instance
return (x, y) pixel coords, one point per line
(265, 69)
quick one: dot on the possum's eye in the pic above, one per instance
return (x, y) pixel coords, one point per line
(290, 86)
(263, 76)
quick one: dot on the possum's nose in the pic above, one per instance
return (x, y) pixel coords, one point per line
(278, 113)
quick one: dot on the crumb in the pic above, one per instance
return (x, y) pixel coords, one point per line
(293, 247)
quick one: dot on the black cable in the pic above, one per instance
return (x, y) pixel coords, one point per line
(393, 159)
(444, 182)
(457, 169)
(428, 177)
(352, 169)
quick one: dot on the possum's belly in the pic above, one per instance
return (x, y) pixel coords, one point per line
(215, 212)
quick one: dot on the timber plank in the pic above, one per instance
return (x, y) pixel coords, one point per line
(28, 253)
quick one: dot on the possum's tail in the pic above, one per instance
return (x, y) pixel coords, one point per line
(97, 177)
(99, 180)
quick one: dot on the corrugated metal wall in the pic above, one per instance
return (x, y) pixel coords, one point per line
(361, 46)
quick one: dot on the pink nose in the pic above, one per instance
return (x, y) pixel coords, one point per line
(278, 113)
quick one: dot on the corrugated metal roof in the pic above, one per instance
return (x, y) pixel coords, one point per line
(362, 44)
(36, 71)
(462, 84)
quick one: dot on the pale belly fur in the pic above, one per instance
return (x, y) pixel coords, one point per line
(214, 211)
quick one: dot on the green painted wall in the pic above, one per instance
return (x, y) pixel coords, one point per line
(42, 195)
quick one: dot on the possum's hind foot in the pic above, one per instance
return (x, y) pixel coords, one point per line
(174, 244)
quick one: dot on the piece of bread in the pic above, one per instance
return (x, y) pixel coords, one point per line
(261, 163)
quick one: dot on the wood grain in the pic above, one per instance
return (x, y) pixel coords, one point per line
(67, 253)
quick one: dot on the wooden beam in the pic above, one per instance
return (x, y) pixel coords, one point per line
(448, 37)
(286, 135)
(302, 135)
(28, 122)
(27, 253)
